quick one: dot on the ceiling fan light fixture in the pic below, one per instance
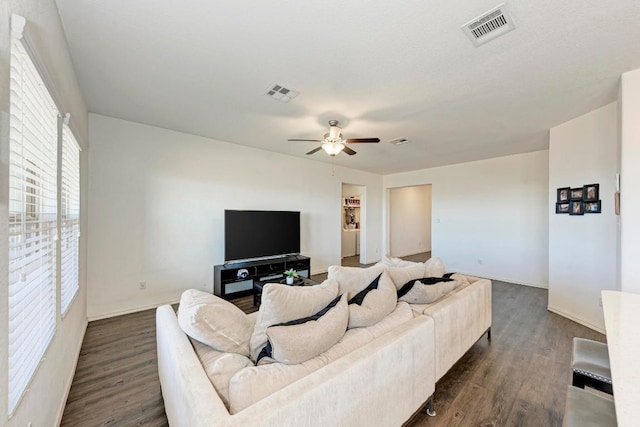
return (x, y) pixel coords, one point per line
(332, 148)
(335, 132)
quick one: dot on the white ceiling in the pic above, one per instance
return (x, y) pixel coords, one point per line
(384, 69)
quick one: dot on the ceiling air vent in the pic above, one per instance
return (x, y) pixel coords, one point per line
(281, 93)
(490, 25)
(399, 141)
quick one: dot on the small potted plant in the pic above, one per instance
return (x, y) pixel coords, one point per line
(290, 275)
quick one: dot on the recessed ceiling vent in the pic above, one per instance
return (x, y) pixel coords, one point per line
(490, 25)
(399, 141)
(281, 93)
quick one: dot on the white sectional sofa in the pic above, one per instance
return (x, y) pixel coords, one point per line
(460, 319)
(378, 375)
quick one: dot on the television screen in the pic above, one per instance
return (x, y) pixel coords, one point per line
(256, 234)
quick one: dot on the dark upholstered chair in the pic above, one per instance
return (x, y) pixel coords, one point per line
(585, 409)
(590, 365)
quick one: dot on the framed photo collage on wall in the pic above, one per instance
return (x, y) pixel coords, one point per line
(579, 200)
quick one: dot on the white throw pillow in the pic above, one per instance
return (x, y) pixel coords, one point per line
(401, 275)
(214, 321)
(302, 339)
(376, 304)
(434, 267)
(352, 280)
(390, 261)
(427, 294)
(282, 303)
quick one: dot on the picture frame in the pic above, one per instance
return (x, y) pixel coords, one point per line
(591, 193)
(563, 207)
(576, 194)
(593, 207)
(563, 194)
(576, 207)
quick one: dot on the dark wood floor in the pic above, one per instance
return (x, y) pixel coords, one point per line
(518, 379)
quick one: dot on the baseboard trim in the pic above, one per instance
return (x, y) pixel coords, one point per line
(575, 319)
(70, 380)
(132, 310)
(411, 254)
(517, 282)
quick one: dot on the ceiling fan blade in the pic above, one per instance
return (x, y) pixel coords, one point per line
(310, 140)
(360, 140)
(348, 150)
(315, 150)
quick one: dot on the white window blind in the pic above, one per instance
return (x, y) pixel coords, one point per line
(33, 162)
(70, 216)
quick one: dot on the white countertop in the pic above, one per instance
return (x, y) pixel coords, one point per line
(622, 323)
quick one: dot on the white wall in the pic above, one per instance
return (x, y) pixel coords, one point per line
(582, 249)
(409, 220)
(349, 190)
(630, 182)
(44, 401)
(491, 211)
(157, 199)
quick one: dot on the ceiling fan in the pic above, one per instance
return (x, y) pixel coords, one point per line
(333, 143)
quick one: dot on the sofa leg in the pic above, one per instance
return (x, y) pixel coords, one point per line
(429, 409)
(489, 334)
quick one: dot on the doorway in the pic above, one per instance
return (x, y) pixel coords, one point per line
(410, 220)
(352, 214)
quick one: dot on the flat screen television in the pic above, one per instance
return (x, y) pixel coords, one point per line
(260, 234)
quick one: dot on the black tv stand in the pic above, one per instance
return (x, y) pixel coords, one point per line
(229, 283)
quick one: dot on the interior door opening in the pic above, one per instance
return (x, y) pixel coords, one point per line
(410, 220)
(353, 218)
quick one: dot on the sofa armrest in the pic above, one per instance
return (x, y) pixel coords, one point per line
(460, 320)
(189, 397)
(473, 279)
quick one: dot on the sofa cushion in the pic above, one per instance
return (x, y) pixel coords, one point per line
(427, 290)
(282, 303)
(220, 367)
(376, 304)
(299, 340)
(214, 321)
(434, 267)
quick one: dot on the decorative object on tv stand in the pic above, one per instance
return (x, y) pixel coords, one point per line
(290, 275)
(579, 200)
